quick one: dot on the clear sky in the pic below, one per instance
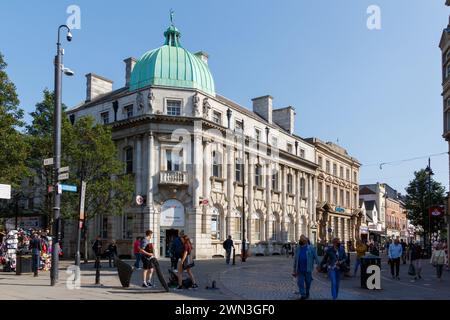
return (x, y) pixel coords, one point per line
(377, 91)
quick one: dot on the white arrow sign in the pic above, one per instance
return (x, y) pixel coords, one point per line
(48, 162)
(63, 169)
(63, 176)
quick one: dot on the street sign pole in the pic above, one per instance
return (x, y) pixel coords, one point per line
(80, 221)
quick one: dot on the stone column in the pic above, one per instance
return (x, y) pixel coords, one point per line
(207, 168)
(196, 221)
(229, 164)
(138, 157)
(250, 178)
(283, 203)
(151, 217)
(298, 205)
(268, 201)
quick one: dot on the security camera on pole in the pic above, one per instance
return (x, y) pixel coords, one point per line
(59, 69)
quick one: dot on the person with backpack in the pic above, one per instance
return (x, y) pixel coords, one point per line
(227, 245)
(36, 248)
(186, 263)
(147, 253)
(176, 251)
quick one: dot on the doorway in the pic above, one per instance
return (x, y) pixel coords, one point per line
(171, 234)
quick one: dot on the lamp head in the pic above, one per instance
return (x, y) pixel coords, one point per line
(69, 36)
(68, 72)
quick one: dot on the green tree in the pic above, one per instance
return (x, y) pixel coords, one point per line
(13, 146)
(417, 201)
(40, 139)
(92, 157)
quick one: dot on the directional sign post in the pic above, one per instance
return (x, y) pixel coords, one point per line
(48, 162)
(69, 188)
(63, 169)
(5, 191)
(80, 223)
(63, 176)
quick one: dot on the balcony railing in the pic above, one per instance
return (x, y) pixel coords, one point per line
(173, 177)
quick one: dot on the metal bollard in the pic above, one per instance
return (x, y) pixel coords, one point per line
(97, 271)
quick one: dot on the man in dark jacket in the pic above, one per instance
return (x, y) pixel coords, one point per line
(97, 248)
(36, 248)
(227, 245)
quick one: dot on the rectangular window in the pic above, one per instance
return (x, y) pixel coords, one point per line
(328, 167)
(238, 126)
(174, 160)
(258, 135)
(173, 107)
(105, 117)
(335, 195)
(275, 181)
(302, 153)
(328, 193)
(129, 111)
(347, 196)
(320, 187)
(127, 226)
(289, 183)
(237, 228)
(355, 177)
(238, 171)
(341, 172)
(274, 142)
(257, 228)
(354, 200)
(258, 175)
(320, 160)
(341, 193)
(129, 160)
(273, 225)
(348, 174)
(303, 188)
(104, 229)
(217, 117)
(335, 169)
(289, 148)
(217, 164)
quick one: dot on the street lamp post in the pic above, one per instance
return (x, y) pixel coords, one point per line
(244, 253)
(429, 173)
(57, 154)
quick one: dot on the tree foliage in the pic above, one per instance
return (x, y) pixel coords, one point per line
(13, 146)
(418, 198)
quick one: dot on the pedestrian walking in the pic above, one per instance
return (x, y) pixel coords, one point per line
(227, 245)
(147, 252)
(335, 260)
(304, 258)
(36, 247)
(394, 255)
(361, 250)
(403, 244)
(137, 251)
(176, 251)
(438, 259)
(97, 248)
(186, 263)
(416, 255)
(112, 253)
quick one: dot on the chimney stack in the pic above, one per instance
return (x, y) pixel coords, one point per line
(129, 66)
(285, 118)
(203, 56)
(96, 86)
(263, 107)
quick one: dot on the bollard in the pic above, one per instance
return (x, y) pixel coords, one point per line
(97, 271)
(234, 257)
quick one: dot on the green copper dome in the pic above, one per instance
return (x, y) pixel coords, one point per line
(172, 65)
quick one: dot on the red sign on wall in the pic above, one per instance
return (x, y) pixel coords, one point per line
(436, 211)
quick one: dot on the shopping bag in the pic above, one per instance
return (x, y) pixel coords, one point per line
(411, 270)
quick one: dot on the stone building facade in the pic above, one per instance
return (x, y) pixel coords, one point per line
(184, 144)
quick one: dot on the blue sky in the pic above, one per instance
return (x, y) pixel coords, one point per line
(377, 91)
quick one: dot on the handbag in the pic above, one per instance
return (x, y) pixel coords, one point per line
(411, 270)
(188, 262)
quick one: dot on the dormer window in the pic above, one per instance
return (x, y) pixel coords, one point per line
(289, 148)
(217, 117)
(105, 117)
(129, 110)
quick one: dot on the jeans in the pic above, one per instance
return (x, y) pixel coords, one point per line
(395, 262)
(35, 261)
(417, 266)
(228, 254)
(357, 264)
(302, 279)
(439, 268)
(138, 259)
(111, 258)
(335, 277)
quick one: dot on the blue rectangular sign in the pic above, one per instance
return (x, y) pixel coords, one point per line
(66, 187)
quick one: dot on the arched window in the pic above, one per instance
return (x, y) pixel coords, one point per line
(215, 224)
(291, 228)
(237, 217)
(273, 226)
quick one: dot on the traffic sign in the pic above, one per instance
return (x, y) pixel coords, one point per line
(48, 162)
(66, 187)
(63, 169)
(139, 200)
(63, 176)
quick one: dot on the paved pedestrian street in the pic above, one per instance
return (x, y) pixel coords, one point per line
(260, 278)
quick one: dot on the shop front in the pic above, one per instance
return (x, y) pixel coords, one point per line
(364, 234)
(172, 222)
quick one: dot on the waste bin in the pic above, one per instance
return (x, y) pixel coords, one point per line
(366, 261)
(23, 264)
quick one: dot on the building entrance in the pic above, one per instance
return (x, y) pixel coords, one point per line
(170, 235)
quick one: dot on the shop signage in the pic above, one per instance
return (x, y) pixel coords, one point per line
(5, 191)
(172, 214)
(24, 223)
(436, 211)
(364, 230)
(339, 209)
